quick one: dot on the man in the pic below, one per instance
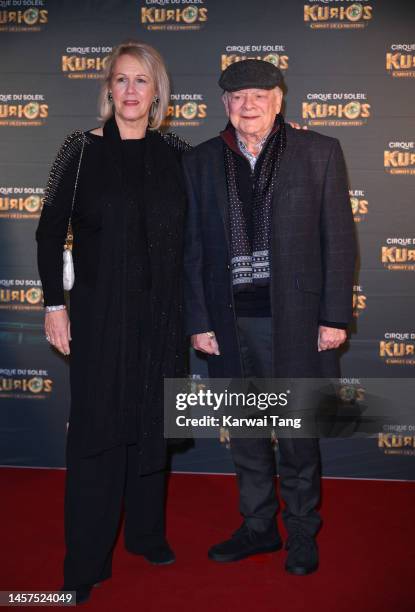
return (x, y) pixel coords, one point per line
(269, 267)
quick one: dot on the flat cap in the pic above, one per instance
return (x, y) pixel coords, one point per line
(250, 73)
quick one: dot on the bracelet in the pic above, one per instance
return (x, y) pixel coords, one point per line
(54, 308)
(211, 334)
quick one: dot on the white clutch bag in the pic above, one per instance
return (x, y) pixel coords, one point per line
(68, 270)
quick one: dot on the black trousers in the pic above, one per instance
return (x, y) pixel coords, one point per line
(254, 459)
(96, 490)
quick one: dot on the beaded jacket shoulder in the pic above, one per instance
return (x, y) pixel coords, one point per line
(70, 150)
(175, 141)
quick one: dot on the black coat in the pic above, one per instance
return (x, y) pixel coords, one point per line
(312, 254)
(98, 298)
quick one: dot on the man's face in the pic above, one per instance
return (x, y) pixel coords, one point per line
(252, 111)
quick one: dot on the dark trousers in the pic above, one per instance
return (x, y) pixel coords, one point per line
(254, 459)
(96, 488)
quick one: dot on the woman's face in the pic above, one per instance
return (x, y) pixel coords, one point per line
(132, 89)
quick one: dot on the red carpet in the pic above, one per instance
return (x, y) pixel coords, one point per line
(367, 548)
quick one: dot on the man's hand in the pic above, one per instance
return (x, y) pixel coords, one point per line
(58, 330)
(205, 344)
(330, 337)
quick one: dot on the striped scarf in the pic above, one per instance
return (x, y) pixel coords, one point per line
(251, 265)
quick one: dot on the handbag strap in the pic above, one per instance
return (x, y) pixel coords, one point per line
(69, 230)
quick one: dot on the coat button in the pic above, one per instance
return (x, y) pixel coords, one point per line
(228, 266)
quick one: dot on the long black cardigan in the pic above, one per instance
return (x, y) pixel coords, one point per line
(98, 305)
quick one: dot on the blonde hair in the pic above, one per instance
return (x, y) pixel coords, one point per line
(158, 72)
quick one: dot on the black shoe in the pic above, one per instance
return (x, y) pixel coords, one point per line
(302, 556)
(158, 555)
(244, 543)
(82, 593)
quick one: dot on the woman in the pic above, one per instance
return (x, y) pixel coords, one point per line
(124, 332)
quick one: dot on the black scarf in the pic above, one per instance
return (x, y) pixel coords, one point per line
(251, 265)
(103, 422)
(105, 426)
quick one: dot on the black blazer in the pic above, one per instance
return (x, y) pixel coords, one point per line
(312, 253)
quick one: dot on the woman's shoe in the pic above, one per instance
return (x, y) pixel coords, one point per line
(82, 593)
(160, 555)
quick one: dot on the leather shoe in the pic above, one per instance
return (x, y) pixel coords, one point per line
(82, 593)
(158, 555)
(302, 556)
(244, 543)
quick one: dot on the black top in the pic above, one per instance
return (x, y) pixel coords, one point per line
(137, 252)
(87, 220)
(100, 299)
(138, 281)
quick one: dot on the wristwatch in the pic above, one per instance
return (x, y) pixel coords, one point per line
(211, 334)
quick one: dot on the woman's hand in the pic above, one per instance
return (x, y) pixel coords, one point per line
(297, 126)
(58, 330)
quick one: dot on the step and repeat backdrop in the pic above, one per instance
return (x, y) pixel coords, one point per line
(350, 73)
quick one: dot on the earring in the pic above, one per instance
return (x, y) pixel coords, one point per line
(109, 96)
(156, 100)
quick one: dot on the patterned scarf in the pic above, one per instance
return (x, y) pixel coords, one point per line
(251, 265)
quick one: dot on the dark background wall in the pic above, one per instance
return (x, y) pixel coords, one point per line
(350, 69)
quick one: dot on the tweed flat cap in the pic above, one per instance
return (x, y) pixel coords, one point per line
(250, 73)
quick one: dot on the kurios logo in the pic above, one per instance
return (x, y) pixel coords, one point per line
(398, 348)
(359, 204)
(173, 14)
(84, 62)
(399, 158)
(359, 301)
(336, 109)
(186, 110)
(400, 60)
(23, 15)
(20, 110)
(21, 202)
(399, 254)
(276, 54)
(21, 294)
(337, 14)
(397, 440)
(20, 383)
